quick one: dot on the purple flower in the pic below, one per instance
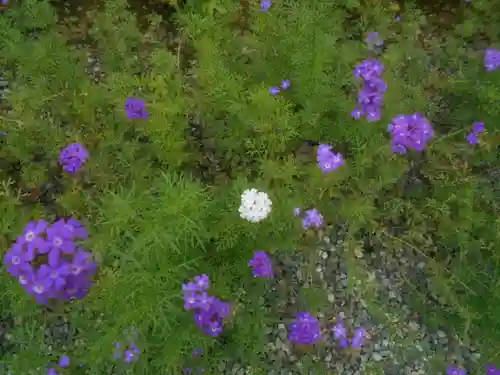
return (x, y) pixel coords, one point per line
(274, 90)
(374, 40)
(358, 338)
(32, 239)
(265, 5)
(209, 311)
(328, 161)
(17, 260)
(285, 84)
(340, 334)
(55, 275)
(261, 265)
(492, 370)
(196, 300)
(58, 238)
(472, 138)
(491, 59)
(211, 320)
(305, 330)
(410, 131)
(296, 211)
(452, 370)
(312, 219)
(73, 157)
(64, 361)
(135, 109)
(371, 96)
(478, 127)
(398, 149)
(59, 275)
(195, 295)
(71, 229)
(129, 353)
(40, 287)
(368, 69)
(52, 371)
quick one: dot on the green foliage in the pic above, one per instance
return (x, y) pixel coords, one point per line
(163, 210)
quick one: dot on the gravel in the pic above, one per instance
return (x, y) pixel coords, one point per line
(366, 289)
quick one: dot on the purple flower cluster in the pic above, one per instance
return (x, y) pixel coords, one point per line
(275, 90)
(452, 370)
(49, 264)
(304, 330)
(373, 40)
(492, 370)
(265, 5)
(371, 96)
(310, 218)
(410, 131)
(64, 362)
(209, 311)
(328, 161)
(261, 265)
(340, 334)
(73, 157)
(491, 59)
(129, 353)
(473, 136)
(136, 109)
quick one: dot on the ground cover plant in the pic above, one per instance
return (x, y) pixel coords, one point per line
(185, 151)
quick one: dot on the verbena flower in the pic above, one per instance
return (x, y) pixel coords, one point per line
(473, 136)
(73, 157)
(374, 40)
(265, 5)
(358, 338)
(328, 161)
(285, 84)
(48, 264)
(261, 265)
(478, 127)
(304, 330)
(340, 334)
(275, 90)
(129, 353)
(492, 370)
(136, 109)
(64, 361)
(297, 211)
(209, 311)
(491, 59)
(255, 205)
(52, 371)
(369, 69)
(371, 96)
(410, 131)
(452, 370)
(312, 219)
(211, 319)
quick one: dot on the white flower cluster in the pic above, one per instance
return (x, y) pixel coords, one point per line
(255, 205)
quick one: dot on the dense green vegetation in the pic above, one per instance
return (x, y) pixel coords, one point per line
(160, 196)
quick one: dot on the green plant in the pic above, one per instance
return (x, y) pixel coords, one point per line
(161, 196)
